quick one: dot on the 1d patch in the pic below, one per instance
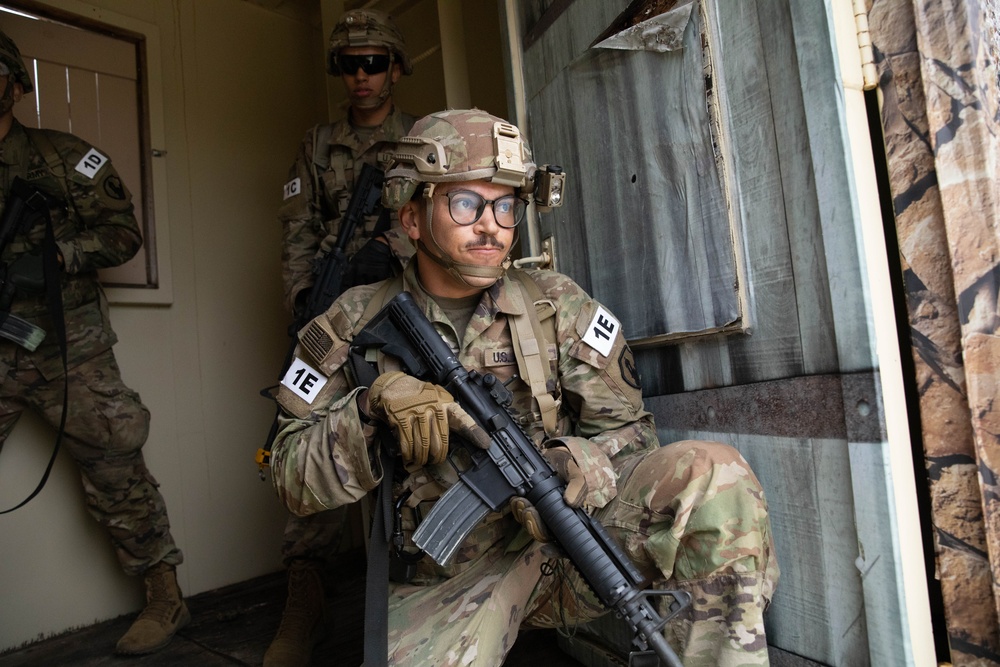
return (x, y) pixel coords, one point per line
(91, 163)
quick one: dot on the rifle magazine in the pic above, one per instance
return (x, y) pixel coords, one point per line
(450, 521)
(22, 332)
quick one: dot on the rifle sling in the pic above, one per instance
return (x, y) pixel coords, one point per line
(376, 649)
(382, 225)
(376, 644)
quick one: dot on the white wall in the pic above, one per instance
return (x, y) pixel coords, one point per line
(240, 85)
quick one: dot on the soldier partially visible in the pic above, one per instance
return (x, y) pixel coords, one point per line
(691, 515)
(93, 227)
(368, 52)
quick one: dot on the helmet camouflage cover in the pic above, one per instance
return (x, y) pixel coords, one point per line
(367, 27)
(457, 145)
(11, 56)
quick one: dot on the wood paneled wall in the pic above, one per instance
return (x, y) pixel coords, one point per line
(799, 392)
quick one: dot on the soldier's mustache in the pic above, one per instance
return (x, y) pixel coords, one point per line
(485, 240)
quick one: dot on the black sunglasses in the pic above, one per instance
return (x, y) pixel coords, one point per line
(371, 64)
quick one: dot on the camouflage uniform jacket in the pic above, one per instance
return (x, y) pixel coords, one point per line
(319, 188)
(95, 227)
(324, 455)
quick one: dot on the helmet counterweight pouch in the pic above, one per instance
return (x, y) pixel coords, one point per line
(510, 167)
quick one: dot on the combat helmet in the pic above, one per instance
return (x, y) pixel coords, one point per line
(11, 56)
(457, 145)
(367, 27)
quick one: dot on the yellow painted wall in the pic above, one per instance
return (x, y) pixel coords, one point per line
(240, 81)
(240, 85)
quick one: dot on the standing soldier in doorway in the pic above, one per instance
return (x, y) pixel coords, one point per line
(368, 52)
(92, 226)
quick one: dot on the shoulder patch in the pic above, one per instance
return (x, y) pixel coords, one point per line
(499, 357)
(113, 187)
(304, 380)
(91, 163)
(602, 331)
(293, 187)
(626, 365)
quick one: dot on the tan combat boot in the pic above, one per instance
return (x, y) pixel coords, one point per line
(164, 615)
(302, 619)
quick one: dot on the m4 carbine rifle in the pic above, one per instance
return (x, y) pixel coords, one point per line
(329, 272)
(513, 466)
(366, 200)
(25, 205)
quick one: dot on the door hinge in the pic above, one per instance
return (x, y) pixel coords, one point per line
(868, 71)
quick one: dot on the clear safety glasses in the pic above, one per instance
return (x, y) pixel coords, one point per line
(466, 207)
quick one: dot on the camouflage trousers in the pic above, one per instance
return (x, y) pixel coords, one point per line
(106, 427)
(314, 537)
(692, 515)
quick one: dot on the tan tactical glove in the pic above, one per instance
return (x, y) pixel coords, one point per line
(421, 415)
(562, 461)
(528, 516)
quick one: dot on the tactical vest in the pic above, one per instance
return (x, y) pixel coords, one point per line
(531, 335)
(320, 164)
(343, 171)
(41, 142)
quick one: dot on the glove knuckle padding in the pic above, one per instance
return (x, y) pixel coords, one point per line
(565, 465)
(462, 423)
(526, 514)
(417, 410)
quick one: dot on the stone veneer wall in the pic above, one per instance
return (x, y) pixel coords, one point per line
(938, 77)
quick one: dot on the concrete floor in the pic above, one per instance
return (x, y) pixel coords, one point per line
(234, 626)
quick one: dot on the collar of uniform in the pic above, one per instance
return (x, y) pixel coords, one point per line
(497, 296)
(344, 135)
(502, 290)
(14, 147)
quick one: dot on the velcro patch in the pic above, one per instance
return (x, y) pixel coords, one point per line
(91, 163)
(493, 358)
(114, 188)
(602, 331)
(626, 366)
(293, 187)
(304, 381)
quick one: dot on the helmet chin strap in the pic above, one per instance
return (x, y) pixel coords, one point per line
(484, 276)
(386, 91)
(7, 99)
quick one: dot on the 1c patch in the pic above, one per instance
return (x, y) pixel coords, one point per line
(292, 188)
(626, 364)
